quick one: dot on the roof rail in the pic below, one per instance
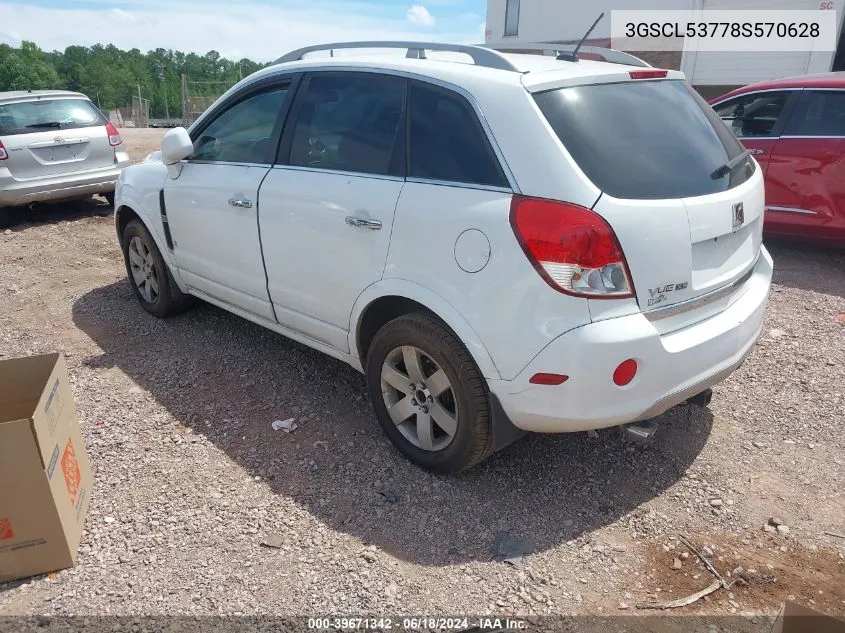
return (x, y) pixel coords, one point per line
(481, 55)
(610, 54)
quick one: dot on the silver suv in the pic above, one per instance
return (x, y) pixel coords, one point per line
(55, 145)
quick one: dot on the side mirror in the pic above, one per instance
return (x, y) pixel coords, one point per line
(175, 147)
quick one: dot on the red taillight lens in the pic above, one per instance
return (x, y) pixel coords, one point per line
(625, 372)
(648, 74)
(114, 135)
(571, 247)
(3, 153)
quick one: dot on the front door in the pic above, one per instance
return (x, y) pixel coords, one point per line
(757, 119)
(327, 208)
(212, 207)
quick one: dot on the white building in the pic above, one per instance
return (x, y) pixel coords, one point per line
(523, 21)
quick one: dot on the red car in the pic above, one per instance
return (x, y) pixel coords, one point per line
(795, 128)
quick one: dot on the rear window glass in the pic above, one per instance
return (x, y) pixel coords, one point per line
(644, 140)
(26, 117)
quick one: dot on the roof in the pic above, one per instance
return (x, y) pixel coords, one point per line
(820, 80)
(454, 69)
(23, 95)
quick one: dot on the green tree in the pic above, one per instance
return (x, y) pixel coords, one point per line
(111, 76)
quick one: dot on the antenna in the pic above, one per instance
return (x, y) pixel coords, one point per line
(573, 56)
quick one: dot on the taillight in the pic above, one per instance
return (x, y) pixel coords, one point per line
(648, 74)
(114, 135)
(3, 153)
(572, 248)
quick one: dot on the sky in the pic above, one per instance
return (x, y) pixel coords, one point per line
(261, 30)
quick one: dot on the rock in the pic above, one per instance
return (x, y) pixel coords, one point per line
(769, 528)
(684, 555)
(716, 503)
(776, 333)
(592, 434)
(370, 557)
(7, 232)
(108, 520)
(783, 530)
(676, 563)
(706, 552)
(776, 521)
(579, 598)
(274, 540)
(623, 606)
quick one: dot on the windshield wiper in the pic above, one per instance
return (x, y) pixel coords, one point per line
(57, 124)
(732, 164)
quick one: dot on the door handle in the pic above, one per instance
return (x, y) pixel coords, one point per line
(363, 223)
(240, 203)
(756, 151)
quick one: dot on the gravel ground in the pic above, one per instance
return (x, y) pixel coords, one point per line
(200, 508)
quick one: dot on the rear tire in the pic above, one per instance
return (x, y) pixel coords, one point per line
(428, 394)
(148, 274)
(109, 198)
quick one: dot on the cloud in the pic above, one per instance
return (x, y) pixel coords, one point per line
(249, 28)
(418, 14)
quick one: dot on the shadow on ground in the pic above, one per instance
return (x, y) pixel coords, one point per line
(806, 266)
(51, 213)
(228, 379)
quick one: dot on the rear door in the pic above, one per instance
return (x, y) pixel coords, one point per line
(757, 119)
(327, 208)
(655, 148)
(53, 136)
(806, 178)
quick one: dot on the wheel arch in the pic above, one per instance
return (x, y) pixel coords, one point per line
(389, 299)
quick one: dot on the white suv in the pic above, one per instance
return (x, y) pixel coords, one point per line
(522, 243)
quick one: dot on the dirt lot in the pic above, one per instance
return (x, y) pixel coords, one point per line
(192, 485)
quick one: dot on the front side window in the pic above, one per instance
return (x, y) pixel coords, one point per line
(349, 122)
(753, 115)
(447, 142)
(818, 114)
(25, 117)
(242, 133)
(511, 17)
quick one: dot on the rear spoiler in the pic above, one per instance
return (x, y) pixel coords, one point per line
(564, 52)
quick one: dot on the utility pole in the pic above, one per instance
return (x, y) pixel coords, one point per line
(166, 106)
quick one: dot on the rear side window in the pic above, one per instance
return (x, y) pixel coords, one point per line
(644, 140)
(447, 142)
(26, 117)
(818, 114)
(754, 115)
(349, 122)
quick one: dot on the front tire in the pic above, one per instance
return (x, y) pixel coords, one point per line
(429, 396)
(148, 275)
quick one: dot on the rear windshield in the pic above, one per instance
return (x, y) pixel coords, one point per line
(25, 117)
(644, 140)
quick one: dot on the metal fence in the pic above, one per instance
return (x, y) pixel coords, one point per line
(197, 97)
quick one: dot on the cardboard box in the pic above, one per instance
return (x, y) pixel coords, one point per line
(45, 475)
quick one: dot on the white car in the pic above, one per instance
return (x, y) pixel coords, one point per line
(521, 243)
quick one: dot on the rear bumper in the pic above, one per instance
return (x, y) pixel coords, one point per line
(671, 367)
(14, 192)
